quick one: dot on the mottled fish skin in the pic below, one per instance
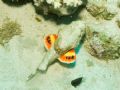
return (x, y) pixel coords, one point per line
(50, 57)
(68, 57)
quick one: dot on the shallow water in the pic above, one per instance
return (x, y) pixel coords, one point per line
(22, 55)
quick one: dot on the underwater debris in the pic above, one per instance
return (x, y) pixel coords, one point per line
(76, 82)
(8, 30)
(37, 18)
(58, 7)
(101, 44)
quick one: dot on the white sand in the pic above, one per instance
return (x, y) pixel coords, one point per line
(22, 55)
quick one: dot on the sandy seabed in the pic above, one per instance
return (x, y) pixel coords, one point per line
(23, 54)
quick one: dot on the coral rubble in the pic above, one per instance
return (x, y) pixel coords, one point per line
(59, 7)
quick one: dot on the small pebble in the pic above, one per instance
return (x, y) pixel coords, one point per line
(38, 18)
(76, 82)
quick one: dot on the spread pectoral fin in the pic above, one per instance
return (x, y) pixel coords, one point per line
(49, 40)
(68, 57)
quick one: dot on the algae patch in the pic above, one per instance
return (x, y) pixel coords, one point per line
(8, 30)
(118, 23)
(102, 46)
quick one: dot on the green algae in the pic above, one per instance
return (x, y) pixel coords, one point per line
(118, 23)
(8, 30)
(101, 46)
(100, 12)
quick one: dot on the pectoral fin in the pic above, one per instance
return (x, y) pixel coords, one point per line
(68, 57)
